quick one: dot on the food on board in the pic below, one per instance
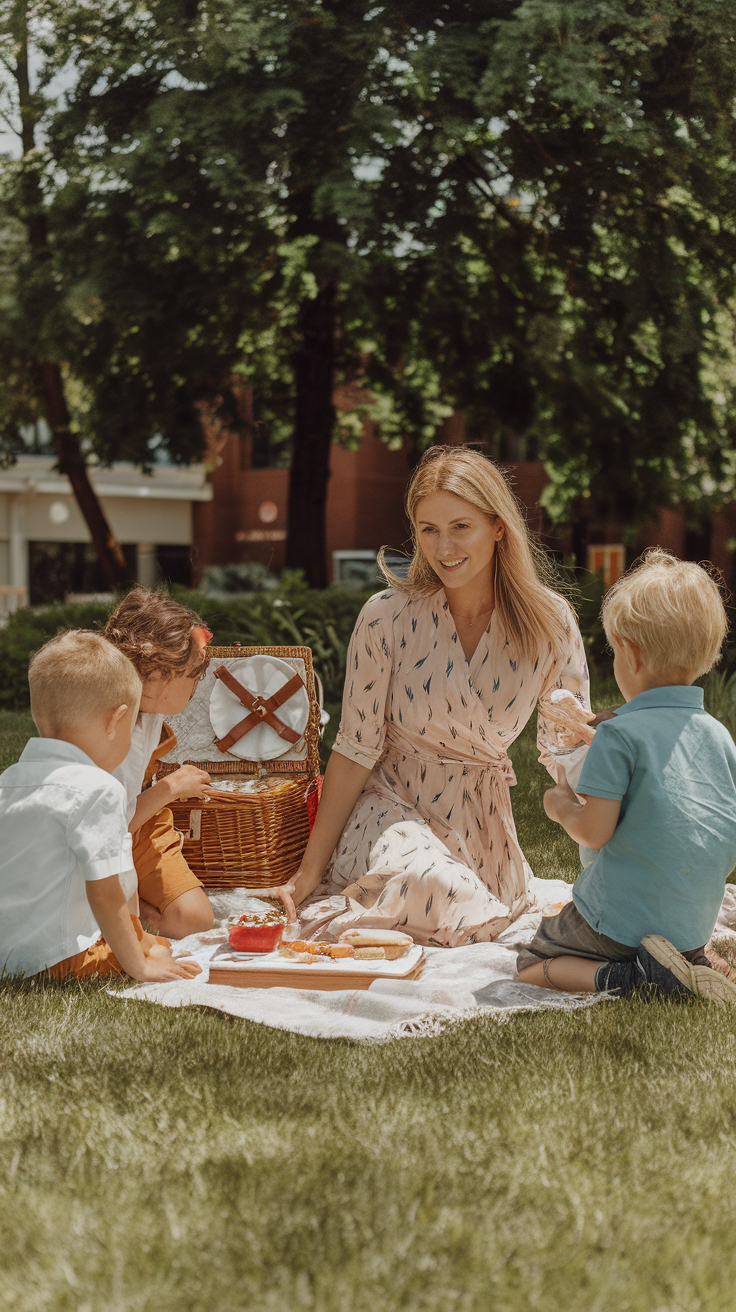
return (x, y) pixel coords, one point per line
(392, 941)
(258, 930)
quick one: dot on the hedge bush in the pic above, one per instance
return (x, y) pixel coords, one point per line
(291, 615)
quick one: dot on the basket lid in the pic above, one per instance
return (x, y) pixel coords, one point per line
(251, 705)
(259, 707)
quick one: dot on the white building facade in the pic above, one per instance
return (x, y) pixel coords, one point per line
(150, 514)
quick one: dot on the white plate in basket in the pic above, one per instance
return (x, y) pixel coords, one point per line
(262, 676)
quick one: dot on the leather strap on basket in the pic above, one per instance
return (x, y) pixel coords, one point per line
(261, 712)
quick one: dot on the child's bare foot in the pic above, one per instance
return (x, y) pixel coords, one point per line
(160, 951)
(150, 916)
(720, 964)
(151, 940)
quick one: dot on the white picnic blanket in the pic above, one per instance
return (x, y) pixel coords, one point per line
(455, 983)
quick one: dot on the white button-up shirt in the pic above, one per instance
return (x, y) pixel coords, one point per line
(62, 822)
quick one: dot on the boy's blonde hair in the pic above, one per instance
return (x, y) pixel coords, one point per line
(77, 676)
(155, 632)
(672, 610)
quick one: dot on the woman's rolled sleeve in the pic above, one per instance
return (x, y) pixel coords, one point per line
(362, 731)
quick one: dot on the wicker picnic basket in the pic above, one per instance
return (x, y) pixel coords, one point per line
(269, 745)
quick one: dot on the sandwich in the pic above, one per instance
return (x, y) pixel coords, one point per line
(377, 944)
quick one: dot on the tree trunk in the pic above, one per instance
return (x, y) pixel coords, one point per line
(314, 371)
(69, 453)
(71, 462)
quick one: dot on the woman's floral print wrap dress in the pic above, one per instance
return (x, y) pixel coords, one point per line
(431, 845)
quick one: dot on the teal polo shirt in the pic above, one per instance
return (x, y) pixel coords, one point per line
(673, 768)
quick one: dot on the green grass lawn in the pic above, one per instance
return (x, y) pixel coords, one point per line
(154, 1159)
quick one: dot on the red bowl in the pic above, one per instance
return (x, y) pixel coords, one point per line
(255, 938)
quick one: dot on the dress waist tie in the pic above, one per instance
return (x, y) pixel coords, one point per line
(498, 763)
(497, 776)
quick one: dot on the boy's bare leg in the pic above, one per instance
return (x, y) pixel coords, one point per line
(570, 974)
(190, 913)
(110, 909)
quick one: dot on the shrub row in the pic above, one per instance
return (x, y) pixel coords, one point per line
(293, 615)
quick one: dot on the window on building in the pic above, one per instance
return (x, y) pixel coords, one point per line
(57, 568)
(175, 564)
(261, 454)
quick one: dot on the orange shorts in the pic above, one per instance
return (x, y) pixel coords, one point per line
(163, 874)
(97, 960)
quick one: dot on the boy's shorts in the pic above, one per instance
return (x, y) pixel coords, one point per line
(163, 874)
(97, 960)
(568, 934)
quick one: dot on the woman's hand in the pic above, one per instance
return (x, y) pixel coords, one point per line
(285, 892)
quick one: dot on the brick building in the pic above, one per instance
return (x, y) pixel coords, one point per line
(247, 516)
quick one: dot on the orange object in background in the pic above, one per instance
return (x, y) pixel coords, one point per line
(313, 797)
(609, 559)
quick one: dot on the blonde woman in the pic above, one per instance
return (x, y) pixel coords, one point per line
(444, 670)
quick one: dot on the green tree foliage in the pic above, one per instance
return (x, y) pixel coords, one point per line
(575, 283)
(33, 322)
(523, 211)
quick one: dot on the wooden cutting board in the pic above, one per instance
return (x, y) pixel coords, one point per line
(276, 972)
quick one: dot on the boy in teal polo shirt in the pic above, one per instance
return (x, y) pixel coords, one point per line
(658, 806)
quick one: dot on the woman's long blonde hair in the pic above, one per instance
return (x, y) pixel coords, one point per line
(528, 609)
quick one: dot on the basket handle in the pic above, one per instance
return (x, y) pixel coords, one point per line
(261, 711)
(320, 690)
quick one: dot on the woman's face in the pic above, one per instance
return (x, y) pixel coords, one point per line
(458, 540)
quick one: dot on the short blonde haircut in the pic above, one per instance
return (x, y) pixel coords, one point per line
(529, 610)
(77, 676)
(673, 611)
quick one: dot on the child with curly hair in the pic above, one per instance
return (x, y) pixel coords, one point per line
(165, 641)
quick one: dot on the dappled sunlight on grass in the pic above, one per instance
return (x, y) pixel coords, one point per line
(540, 1163)
(537, 1163)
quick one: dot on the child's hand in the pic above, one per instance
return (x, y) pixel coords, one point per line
(187, 781)
(159, 970)
(608, 714)
(588, 820)
(558, 800)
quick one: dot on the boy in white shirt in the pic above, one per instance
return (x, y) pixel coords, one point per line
(66, 871)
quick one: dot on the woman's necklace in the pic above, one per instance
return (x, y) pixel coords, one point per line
(476, 619)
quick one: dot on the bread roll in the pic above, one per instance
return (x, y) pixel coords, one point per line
(376, 938)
